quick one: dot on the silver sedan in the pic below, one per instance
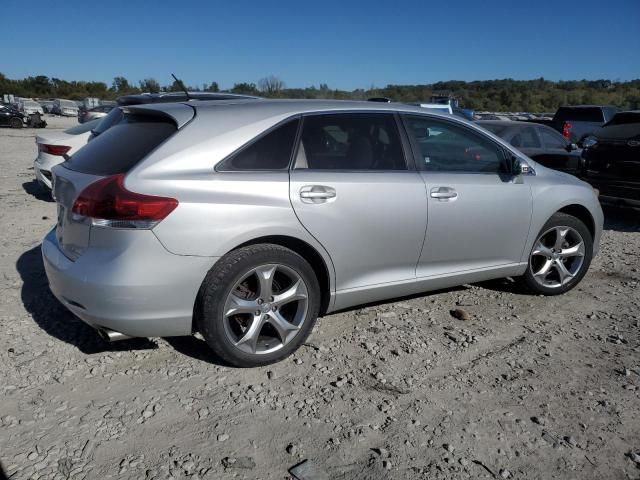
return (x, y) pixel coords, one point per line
(246, 220)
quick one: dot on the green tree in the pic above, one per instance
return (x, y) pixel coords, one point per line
(212, 87)
(149, 85)
(271, 85)
(245, 89)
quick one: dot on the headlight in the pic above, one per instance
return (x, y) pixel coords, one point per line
(589, 142)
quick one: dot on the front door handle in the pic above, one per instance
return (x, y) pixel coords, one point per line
(317, 193)
(443, 193)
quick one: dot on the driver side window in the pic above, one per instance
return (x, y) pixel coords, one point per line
(446, 147)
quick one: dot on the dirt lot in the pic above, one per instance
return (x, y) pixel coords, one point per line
(528, 387)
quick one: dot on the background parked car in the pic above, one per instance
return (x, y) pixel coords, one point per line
(578, 121)
(93, 113)
(11, 117)
(55, 147)
(47, 105)
(538, 142)
(612, 159)
(29, 107)
(66, 108)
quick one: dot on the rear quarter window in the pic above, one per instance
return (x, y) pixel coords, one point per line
(122, 146)
(270, 151)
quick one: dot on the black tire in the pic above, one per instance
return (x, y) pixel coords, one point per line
(16, 122)
(217, 285)
(560, 220)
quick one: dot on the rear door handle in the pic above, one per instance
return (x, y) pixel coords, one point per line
(317, 193)
(443, 193)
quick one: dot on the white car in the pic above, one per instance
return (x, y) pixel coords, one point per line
(55, 147)
(29, 107)
(65, 108)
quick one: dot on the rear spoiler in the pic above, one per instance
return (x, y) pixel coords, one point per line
(178, 113)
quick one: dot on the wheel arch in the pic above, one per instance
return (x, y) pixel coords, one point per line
(583, 214)
(310, 254)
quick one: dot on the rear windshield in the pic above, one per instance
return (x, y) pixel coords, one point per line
(120, 148)
(496, 129)
(582, 114)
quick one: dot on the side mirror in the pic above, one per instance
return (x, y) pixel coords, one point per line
(571, 147)
(518, 167)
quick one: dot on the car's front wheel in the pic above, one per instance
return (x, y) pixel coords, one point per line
(560, 256)
(15, 122)
(258, 305)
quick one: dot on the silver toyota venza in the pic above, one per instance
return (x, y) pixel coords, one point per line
(245, 220)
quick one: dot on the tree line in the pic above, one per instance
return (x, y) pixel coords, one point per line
(537, 95)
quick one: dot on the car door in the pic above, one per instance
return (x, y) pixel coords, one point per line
(478, 213)
(353, 191)
(558, 153)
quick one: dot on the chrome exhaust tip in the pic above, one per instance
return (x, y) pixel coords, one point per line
(111, 335)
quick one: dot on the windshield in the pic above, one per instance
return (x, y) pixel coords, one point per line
(68, 104)
(31, 103)
(82, 128)
(109, 121)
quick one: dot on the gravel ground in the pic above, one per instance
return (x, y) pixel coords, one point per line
(527, 387)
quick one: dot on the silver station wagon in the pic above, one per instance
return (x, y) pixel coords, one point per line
(245, 220)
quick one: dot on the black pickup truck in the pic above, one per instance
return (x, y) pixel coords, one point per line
(577, 122)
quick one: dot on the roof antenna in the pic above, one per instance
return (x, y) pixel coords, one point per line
(182, 86)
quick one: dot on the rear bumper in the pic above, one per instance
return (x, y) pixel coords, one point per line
(42, 167)
(42, 176)
(135, 286)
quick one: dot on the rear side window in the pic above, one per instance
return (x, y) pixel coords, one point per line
(121, 147)
(271, 151)
(351, 141)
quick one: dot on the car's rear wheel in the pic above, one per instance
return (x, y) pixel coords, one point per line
(560, 256)
(258, 305)
(15, 122)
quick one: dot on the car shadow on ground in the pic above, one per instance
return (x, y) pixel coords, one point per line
(197, 349)
(55, 319)
(34, 189)
(621, 219)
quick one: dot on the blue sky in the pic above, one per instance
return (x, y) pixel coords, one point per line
(342, 43)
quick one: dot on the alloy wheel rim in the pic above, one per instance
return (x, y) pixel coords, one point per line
(557, 257)
(265, 309)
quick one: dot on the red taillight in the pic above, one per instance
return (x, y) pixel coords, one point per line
(566, 130)
(59, 150)
(109, 204)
